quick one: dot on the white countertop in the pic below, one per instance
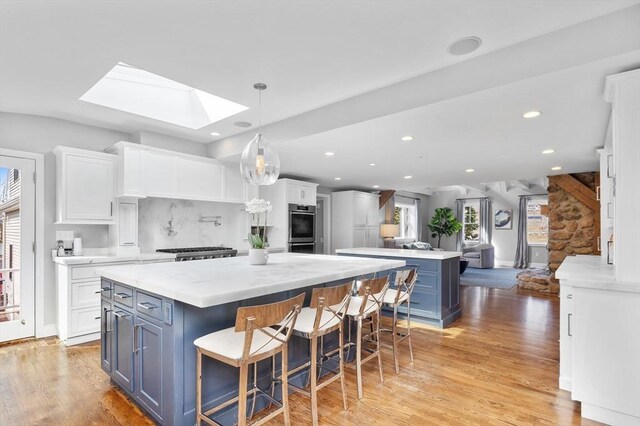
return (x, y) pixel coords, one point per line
(205, 283)
(388, 252)
(591, 272)
(93, 256)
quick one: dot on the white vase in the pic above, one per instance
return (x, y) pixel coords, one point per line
(258, 256)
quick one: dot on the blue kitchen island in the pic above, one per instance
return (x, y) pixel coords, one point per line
(436, 297)
(151, 314)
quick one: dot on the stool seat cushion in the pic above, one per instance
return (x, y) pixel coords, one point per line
(390, 296)
(307, 316)
(356, 302)
(230, 344)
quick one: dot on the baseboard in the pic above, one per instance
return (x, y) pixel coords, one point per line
(607, 416)
(48, 331)
(564, 383)
(82, 339)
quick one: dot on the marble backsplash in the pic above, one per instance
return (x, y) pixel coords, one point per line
(169, 223)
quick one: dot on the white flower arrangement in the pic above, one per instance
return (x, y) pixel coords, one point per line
(256, 208)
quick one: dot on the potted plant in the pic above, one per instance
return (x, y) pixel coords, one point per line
(444, 222)
(258, 254)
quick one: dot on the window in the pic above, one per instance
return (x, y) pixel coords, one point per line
(537, 223)
(406, 216)
(471, 222)
(16, 175)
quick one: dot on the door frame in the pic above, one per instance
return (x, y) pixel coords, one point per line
(40, 329)
(326, 198)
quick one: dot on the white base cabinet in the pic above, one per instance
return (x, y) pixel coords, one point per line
(78, 293)
(567, 320)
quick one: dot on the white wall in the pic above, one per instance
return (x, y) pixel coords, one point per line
(505, 241)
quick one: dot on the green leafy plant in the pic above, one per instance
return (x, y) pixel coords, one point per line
(444, 222)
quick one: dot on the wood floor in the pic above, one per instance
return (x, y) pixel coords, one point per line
(498, 365)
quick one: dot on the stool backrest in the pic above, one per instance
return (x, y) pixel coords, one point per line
(373, 289)
(333, 301)
(258, 319)
(405, 281)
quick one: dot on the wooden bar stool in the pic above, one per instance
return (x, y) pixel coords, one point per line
(250, 341)
(325, 315)
(405, 281)
(364, 309)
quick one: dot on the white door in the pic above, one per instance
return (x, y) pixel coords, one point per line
(17, 267)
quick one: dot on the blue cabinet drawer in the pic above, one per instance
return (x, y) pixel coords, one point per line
(123, 295)
(149, 305)
(424, 303)
(427, 281)
(427, 265)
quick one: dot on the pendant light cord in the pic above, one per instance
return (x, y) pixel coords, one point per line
(259, 109)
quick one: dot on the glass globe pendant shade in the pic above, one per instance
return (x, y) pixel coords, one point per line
(260, 164)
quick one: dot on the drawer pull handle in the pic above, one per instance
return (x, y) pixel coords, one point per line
(100, 317)
(147, 305)
(122, 296)
(569, 325)
(121, 314)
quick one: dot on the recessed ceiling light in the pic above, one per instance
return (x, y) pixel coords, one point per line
(135, 91)
(556, 168)
(407, 138)
(408, 177)
(372, 164)
(337, 178)
(531, 114)
(242, 124)
(329, 154)
(470, 170)
(376, 186)
(464, 46)
(215, 134)
(548, 151)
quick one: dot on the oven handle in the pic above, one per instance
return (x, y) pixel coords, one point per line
(304, 213)
(302, 244)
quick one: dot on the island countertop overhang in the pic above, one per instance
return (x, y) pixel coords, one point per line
(206, 283)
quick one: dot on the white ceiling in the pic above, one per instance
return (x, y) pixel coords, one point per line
(316, 56)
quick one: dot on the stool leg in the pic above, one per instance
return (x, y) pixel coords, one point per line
(198, 387)
(377, 315)
(313, 372)
(285, 384)
(409, 327)
(359, 358)
(255, 385)
(395, 338)
(341, 357)
(242, 395)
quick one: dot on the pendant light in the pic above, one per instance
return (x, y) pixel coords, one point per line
(260, 164)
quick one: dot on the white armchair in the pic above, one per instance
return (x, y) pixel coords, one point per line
(479, 256)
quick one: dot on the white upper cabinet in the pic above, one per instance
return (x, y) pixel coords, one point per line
(160, 174)
(85, 186)
(129, 170)
(200, 179)
(301, 193)
(145, 171)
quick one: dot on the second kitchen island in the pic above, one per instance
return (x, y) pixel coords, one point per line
(151, 314)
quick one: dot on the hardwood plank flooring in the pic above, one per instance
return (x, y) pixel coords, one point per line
(496, 365)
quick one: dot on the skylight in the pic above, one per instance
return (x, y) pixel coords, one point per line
(140, 92)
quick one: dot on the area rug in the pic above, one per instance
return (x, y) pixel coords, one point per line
(504, 278)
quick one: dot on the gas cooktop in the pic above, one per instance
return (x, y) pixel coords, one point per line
(193, 249)
(199, 253)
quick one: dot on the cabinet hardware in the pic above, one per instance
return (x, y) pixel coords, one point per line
(609, 166)
(135, 338)
(569, 325)
(121, 296)
(99, 291)
(106, 321)
(147, 305)
(599, 244)
(111, 208)
(569, 296)
(121, 314)
(598, 193)
(100, 317)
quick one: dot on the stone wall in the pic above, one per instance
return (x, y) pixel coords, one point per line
(571, 231)
(571, 223)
